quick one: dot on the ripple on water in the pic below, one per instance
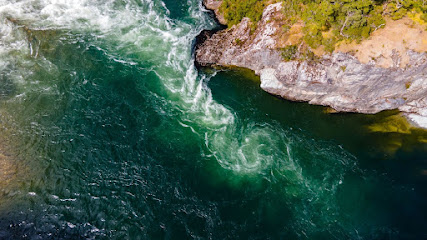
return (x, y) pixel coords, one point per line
(110, 165)
(7, 169)
(11, 174)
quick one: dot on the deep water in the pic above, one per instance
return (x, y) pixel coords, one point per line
(108, 131)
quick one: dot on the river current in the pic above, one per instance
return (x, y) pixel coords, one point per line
(108, 131)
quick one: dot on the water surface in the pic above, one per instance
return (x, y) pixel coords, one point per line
(109, 131)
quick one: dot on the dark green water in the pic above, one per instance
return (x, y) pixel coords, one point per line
(108, 131)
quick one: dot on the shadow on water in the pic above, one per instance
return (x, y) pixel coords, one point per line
(390, 154)
(112, 160)
(368, 136)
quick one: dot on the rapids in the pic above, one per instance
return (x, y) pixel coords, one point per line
(111, 132)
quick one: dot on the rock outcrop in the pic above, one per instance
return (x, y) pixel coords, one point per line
(214, 5)
(338, 80)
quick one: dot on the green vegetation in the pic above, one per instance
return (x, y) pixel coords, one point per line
(235, 10)
(239, 41)
(289, 52)
(399, 8)
(293, 52)
(346, 19)
(340, 19)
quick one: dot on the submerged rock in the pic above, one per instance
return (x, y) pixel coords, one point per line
(338, 80)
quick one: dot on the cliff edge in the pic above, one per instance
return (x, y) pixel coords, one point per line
(395, 78)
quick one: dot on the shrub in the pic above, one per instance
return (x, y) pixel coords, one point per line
(345, 19)
(289, 52)
(235, 10)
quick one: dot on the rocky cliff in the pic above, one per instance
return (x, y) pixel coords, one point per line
(339, 80)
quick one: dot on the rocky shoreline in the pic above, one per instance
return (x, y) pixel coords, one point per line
(338, 80)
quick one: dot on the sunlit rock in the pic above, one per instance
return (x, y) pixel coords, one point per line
(338, 80)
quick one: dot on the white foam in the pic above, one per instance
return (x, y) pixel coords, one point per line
(155, 37)
(148, 33)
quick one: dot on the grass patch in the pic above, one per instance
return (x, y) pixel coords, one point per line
(343, 19)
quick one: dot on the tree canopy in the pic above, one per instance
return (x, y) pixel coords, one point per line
(344, 19)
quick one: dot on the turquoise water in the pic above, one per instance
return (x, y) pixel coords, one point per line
(109, 131)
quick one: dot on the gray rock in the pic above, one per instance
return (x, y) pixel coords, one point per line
(338, 80)
(214, 5)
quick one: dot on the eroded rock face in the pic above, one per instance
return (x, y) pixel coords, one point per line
(339, 80)
(238, 46)
(214, 5)
(343, 83)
